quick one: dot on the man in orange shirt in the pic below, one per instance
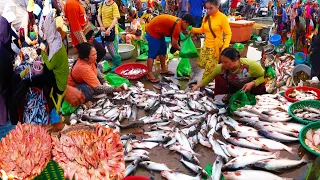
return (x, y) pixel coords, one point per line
(157, 29)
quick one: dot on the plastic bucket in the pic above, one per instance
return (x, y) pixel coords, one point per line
(275, 39)
(299, 58)
(301, 67)
(37, 67)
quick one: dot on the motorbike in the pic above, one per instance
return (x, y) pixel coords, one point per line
(262, 11)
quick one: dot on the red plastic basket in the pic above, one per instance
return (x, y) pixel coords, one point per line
(130, 66)
(303, 88)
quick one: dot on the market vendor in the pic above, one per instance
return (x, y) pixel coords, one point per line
(29, 29)
(157, 29)
(300, 31)
(134, 32)
(214, 25)
(85, 75)
(55, 69)
(235, 73)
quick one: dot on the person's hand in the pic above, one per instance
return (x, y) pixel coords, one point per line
(119, 89)
(102, 29)
(195, 87)
(108, 31)
(247, 87)
(74, 96)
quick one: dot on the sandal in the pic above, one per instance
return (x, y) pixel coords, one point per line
(153, 80)
(168, 73)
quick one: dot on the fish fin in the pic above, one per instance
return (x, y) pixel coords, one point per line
(305, 158)
(292, 151)
(276, 154)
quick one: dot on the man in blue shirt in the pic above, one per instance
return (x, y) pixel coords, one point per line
(195, 7)
(183, 8)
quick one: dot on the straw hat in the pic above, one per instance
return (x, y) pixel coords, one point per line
(8, 14)
(30, 6)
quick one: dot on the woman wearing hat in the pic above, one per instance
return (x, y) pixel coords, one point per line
(29, 29)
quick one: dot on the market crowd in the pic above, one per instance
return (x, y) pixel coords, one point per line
(151, 20)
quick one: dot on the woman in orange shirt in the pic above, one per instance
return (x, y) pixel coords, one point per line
(85, 76)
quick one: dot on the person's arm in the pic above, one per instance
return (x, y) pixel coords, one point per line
(25, 30)
(50, 64)
(100, 77)
(175, 36)
(100, 18)
(211, 77)
(75, 26)
(199, 30)
(227, 33)
(256, 71)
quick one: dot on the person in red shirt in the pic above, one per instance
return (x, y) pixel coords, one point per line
(80, 29)
(159, 27)
(234, 5)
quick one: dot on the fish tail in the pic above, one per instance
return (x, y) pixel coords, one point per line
(305, 158)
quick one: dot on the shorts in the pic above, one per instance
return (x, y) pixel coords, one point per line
(198, 21)
(156, 46)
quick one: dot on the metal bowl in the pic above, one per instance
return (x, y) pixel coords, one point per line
(125, 50)
(269, 49)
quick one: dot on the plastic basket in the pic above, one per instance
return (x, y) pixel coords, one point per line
(275, 39)
(302, 104)
(299, 58)
(279, 51)
(303, 88)
(123, 67)
(302, 136)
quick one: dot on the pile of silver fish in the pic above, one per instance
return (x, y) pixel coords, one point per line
(307, 113)
(283, 66)
(35, 111)
(180, 120)
(135, 71)
(313, 139)
(303, 95)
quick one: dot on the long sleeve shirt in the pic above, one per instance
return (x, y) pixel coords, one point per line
(219, 25)
(59, 65)
(255, 71)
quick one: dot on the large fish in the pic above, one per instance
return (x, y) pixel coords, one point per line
(242, 161)
(251, 174)
(271, 145)
(216, 168)
(153, 166)
(280, 164)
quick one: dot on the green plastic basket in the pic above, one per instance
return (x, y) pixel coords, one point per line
(302, 136)
(302, 104)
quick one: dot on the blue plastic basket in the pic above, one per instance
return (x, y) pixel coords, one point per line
(298, 60)
(275, 39)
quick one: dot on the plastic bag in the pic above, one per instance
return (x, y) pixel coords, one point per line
(208, 169)
(106, 67)
(142, 57)
(144, 47)
(188, 49)
(270, 72)
(115, 80)
(184, 68)
(240, 99)
(66, 109)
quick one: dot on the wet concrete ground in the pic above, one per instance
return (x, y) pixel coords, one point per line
(171, 159)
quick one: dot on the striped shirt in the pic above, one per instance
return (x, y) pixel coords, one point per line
(108, 13)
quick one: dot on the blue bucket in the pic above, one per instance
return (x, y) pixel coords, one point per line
(299, 58)
(275, 39)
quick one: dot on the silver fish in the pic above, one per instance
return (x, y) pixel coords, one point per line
(280, 164)
(271, 145)
(216, 168)
(250, 174)
(217, 148)
(131, 167)
(277, 136)
(288, 126)
(143, 145)
(136, 157)
(236, 151)
(157, 139)
(170, 175)
(195, 168)
(242, 161)
(153, 166)
(245, 143)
